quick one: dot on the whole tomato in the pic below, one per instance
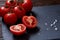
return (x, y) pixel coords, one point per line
(27, 5)
(19, 11)
(10, 18)
(18, 29)
(4, 10)
(29, 21)
(10, 3)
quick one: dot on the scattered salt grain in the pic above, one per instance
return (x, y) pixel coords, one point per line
(51, 25)
(56, 28)
(54, 23)
(55, 20)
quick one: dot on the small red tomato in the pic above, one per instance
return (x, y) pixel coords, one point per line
(18, 29)
(27, 5)
(4, 10)
(29, 21)
(19, 11)
(10, 3)
(10, 18)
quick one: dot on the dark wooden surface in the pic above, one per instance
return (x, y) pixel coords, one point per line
(1, 29)
(35, 3)
(45, 2)
(39, 2)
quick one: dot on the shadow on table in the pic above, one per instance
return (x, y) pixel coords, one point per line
(27, 35)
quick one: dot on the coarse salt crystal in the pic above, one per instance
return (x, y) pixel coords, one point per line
(51, 25)
(56, 28)
(55, 20)
(54, 23)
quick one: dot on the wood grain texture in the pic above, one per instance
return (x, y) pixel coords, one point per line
(45, 2)
(39, 2)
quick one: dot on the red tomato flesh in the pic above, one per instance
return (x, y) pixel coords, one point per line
(29, 21)
(18, 29)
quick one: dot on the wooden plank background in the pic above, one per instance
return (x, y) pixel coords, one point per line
(35, 3)
(38, 2)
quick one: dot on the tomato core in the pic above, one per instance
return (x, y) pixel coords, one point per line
(29, 20)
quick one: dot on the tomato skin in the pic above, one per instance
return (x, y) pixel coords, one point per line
(3, 11)
(19, 11)
(27, 5)
(26, 22)
(17, 33)
(0, 14)
(10, 18)
(10, 3)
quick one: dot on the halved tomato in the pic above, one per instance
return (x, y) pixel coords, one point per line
(18, 29)
(29, 21)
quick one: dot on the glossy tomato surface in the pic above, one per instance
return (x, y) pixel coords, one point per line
(27, 5)
(10, 18)
(19, 11)
(18, 29)
(4, 10)
(0, 15)
(10, 3)
(29, 21)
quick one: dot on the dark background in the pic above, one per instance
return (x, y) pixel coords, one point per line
(39, 2)
(35, 3)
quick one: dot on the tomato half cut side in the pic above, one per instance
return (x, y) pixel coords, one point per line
(29, 21)
(18, 29)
